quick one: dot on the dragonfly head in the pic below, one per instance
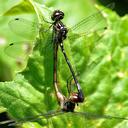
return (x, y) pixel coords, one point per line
(68, 106)
(77, 97)
(57, 15)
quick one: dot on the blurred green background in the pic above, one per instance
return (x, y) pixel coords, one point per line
(105, 82)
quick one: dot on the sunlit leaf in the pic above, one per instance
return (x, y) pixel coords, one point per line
(24, 6)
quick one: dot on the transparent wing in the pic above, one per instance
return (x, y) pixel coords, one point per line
(91, 23)
(19, 49)
(96, 116)
(86, 115)
(24, 28)
(27, 28)
(32, 118)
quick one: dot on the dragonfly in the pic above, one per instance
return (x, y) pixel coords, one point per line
(60, 33)
(67, 104)
(31, 29)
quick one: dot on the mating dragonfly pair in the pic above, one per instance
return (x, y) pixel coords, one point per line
(60, 33)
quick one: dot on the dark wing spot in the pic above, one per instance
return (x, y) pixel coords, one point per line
(11, 44)
(16, 18)
(105, 28)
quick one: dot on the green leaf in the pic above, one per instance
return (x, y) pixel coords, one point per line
(103, 77)
(22, 94)
(25, 6)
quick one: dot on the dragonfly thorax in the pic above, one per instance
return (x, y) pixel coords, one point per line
(57, 15)
(60, 31)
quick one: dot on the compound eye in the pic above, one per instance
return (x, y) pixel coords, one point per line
(77, 97)
(57, 15)
(74, 97)
(61, 17)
